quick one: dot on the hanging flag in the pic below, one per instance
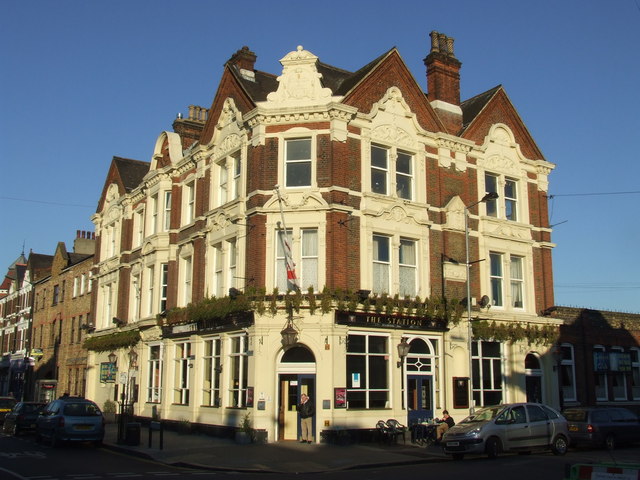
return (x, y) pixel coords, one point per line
(292, 280)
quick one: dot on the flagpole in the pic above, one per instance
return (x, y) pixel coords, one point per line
(292, 280)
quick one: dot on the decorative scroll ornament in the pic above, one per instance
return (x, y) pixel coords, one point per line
(299, 83)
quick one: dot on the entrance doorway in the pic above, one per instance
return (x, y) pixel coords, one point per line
(419, 398)
(296, 376)
(533, 378)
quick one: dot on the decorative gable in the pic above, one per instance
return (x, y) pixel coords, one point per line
(393, 122)
(299, 84)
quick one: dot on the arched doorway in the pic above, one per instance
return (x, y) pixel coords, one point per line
(533, 378)
(296, 375)
(419, 367)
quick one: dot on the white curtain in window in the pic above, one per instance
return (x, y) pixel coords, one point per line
(516, 282)
(380, 264)
(407, 268)
(309, 270)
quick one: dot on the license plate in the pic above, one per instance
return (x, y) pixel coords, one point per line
(573, 428)
(83, 427)
(453, 444)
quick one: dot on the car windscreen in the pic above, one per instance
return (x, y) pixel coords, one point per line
(483, 415)
(31, 408)
(81, 410)
(575, 415)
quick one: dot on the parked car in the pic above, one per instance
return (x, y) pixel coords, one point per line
(515, 427)
(70, 419)
(22, 417)
(602, 426)
(6, 404)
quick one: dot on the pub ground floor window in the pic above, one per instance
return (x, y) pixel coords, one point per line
(487, 373)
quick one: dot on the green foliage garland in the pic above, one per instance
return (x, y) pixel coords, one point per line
(113, 341)
(515, 332)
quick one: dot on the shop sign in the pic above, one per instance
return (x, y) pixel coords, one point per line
(380, 320)
(37, 353)
(107, 372)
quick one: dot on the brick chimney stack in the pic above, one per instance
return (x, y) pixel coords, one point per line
(443, 81)
(244, 59)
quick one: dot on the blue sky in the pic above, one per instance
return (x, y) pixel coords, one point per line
(82, 81)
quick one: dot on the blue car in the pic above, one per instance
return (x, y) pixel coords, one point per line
(70, 419)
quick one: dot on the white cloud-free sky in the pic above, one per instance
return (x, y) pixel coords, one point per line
(83, 81)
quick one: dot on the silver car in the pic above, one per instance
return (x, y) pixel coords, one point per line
(515, 427)
(70, 419)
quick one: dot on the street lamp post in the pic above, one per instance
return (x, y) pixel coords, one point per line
(486, 198)
(126, 405)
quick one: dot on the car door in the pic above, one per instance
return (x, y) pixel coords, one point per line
(516, 433)
(540, 428)
(47, 419)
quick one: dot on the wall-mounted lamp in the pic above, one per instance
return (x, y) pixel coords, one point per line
(403, 351)
(112, 357)
(87, 327)
(343, 222)
(289, 334)
(117, 322)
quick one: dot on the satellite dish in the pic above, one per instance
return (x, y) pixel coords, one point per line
(484, 301)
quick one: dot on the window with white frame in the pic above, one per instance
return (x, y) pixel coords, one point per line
(76, 283)
(223, 183)
(381, 264)
(568, 373)
(138, 228)
(600, 368)
(635, 373)
(83, 279)
(486, 361)
(236, 166)
(232, 258)
(298, 162)
(189, 209)
(151, 283)
(90, 282)
(218, 267)
(517, 281)
(618, 377)
(164, 286)
(212, 372)
(515, 296)
(229, 170)
(392, 170)
(135, 296)
(506, 205)
(166, 224)
(154, 379)
(304, 255)
(155, 207)
(238, 360)
(368, 371)
(394, 265)
(181, 374)
(309, 258)
(187, 279)
(107, 298)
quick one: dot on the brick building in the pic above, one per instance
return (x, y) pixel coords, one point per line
(345, 209)
(61, 320)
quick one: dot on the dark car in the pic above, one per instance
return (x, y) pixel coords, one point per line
(6, 404)
(70, 419)
(22, 417)
(602, 426)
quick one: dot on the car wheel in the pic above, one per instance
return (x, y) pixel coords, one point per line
(610, 442)
(493, 447)
(560, 445)
(458, 456)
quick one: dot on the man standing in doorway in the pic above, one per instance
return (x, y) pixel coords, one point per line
(306, 412)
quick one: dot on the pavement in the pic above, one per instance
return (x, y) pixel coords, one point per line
(206, 452)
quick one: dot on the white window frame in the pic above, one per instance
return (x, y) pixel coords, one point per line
(366, 379)
(218, 270)
(182, 373)
(620, 391)
(602, 394)
(392, 172)
(232, 260)
(164, 286)
(151, 283)
(212, 366)
(138, 228)
(155, 206)
(166, 224)
(302, 258)
(635, 373)
(155, 372)
(135, 293)
(189, 199)
(291, 162)
(395, 267)
(568, 365)
(507, 205)
(380, 265)
(479, 362)
(238, 374)
(517, 283)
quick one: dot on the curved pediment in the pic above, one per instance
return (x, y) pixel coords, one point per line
(297, 200)
(228, 135)
(393, 122)
(168, 148)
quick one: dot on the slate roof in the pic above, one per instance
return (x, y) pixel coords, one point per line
(474, 105)
(131, 171)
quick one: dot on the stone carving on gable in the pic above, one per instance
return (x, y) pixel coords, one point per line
(508, 230)
(113, 193)
(229, 144)
(455, 214)
(501, 164)
(502, 153)
(299, 83)
(399, 214)
(392, 120)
